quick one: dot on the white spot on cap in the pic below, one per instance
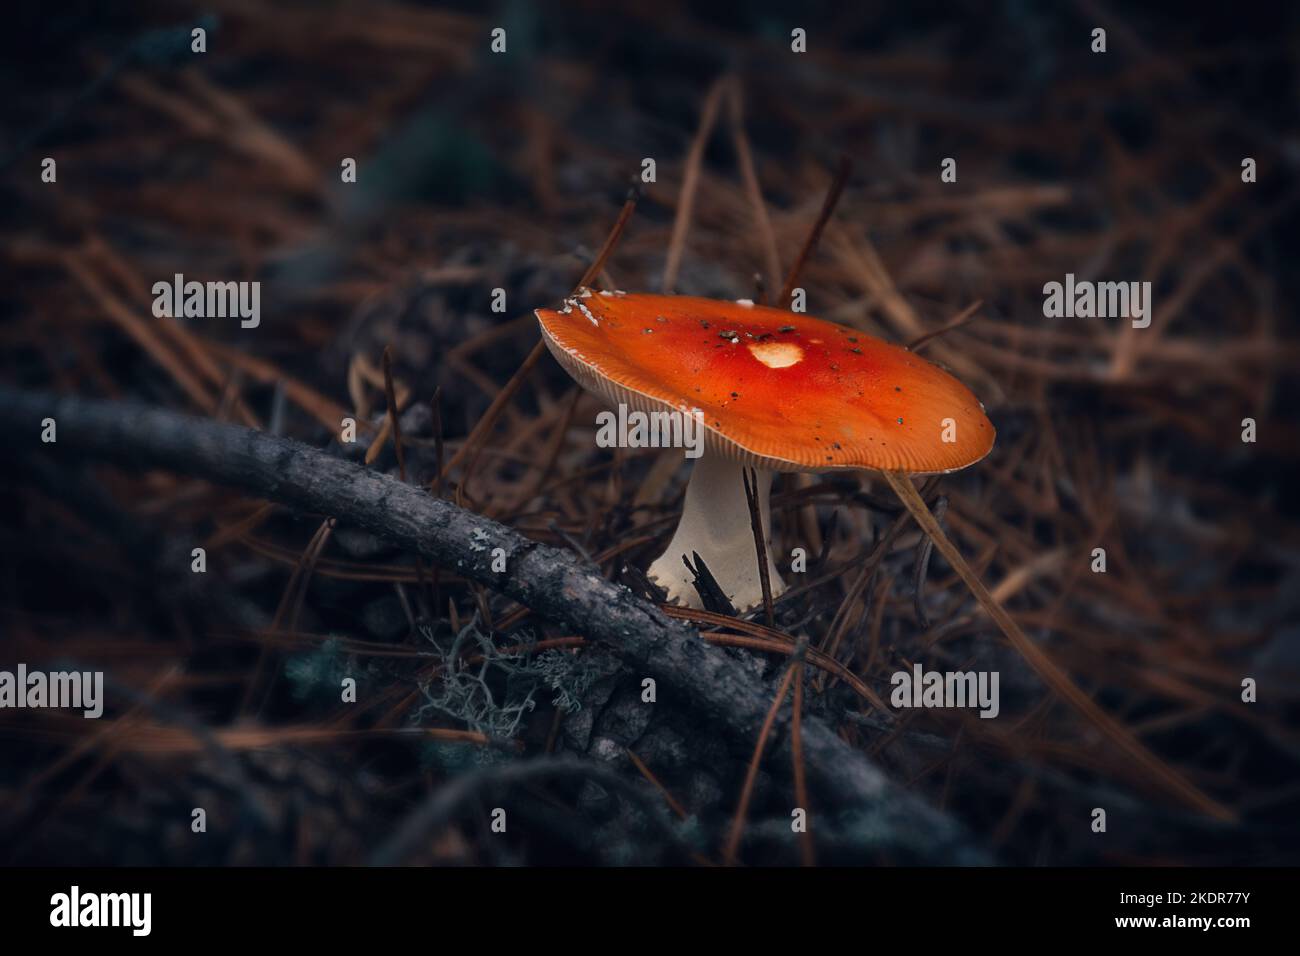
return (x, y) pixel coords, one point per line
(777, 354)
(747, 303)
(583, 309)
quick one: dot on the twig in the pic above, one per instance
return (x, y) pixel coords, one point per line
(476, 436)
(828, 206)
(1166, 777)
(394, 419)
(390, 393)
(964, 317)
(686, 204)
(616, 233)
(923, 566)
(796, 753)
(732, 851)
(549, 580)
(707, 587)
(766, 638)
(745, 159)
(750, 478)
(474, 440)
(654, 781)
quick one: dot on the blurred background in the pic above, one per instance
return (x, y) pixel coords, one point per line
(479, 171)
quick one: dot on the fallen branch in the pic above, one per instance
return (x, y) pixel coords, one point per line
(552, 582)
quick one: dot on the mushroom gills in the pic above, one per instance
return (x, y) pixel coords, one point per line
(715, 523)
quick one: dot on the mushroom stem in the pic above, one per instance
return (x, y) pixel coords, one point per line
(716, 524)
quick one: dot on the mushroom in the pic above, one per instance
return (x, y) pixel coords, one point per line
(775, 391)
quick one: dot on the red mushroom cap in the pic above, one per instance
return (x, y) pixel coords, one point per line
(777, 389)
